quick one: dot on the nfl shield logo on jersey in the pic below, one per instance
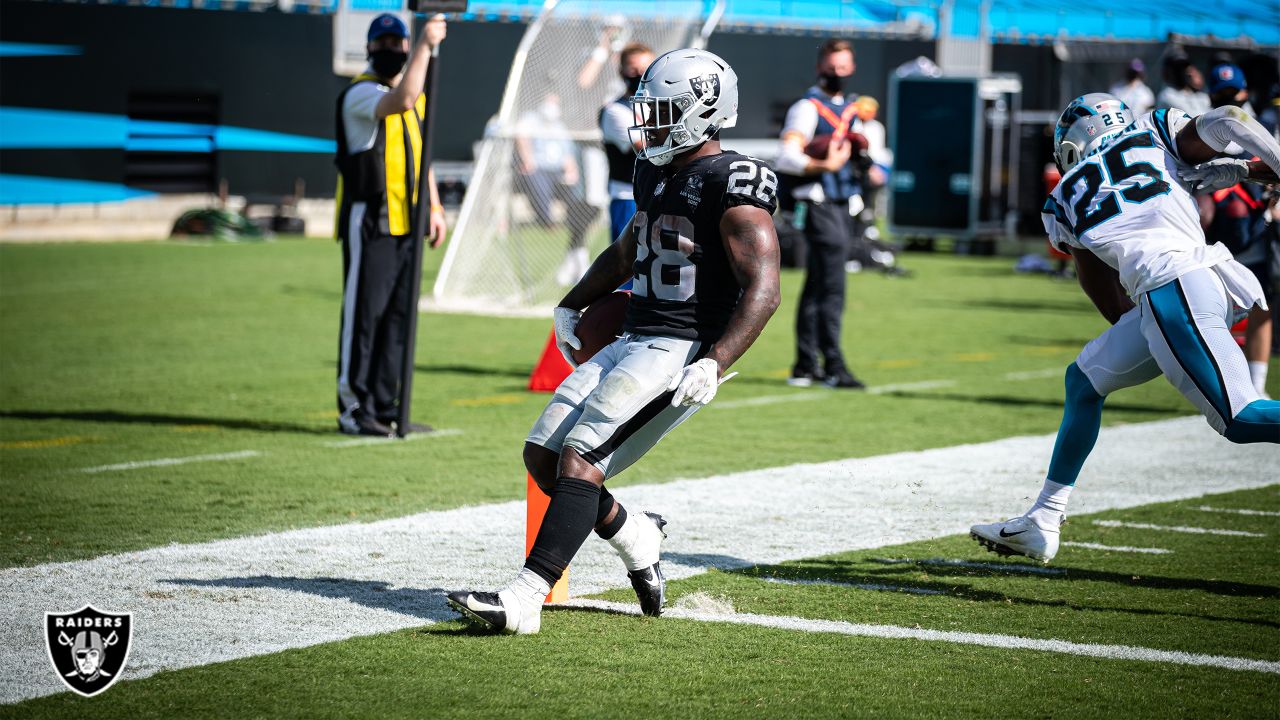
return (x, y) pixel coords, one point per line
(88, 647)
(707, 88)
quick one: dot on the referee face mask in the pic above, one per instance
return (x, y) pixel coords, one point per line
(388, 63)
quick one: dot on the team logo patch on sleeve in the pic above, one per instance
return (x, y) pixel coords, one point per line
(88, 647)
(707, 88)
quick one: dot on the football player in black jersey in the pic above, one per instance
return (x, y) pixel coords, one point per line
(703, 257)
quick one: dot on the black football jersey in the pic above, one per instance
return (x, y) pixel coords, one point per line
(683, 285)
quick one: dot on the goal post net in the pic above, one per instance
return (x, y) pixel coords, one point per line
(535, 211)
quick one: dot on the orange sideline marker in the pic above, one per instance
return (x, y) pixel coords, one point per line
(535, 507)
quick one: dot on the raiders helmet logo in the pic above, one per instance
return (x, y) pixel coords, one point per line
(88, 647)
(706, 88)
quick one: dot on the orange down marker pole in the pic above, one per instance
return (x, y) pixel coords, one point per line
(535, 507)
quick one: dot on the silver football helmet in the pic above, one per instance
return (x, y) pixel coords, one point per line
(685, 97)
(1087, 122)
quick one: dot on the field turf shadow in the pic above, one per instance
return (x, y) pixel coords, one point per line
(428, 604)
(132, 418)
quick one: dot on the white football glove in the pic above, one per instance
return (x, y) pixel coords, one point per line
(566, 321)
(696, 384)
(1216, 175)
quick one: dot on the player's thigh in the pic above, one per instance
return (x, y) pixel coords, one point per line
(629, 396)
(566, 405)
(1186, 326)
(1118, 358)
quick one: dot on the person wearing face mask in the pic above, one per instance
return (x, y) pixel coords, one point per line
(615, 120)
(379, 119)
(815, 151)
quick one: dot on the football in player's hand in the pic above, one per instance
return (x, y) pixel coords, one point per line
(859, 143)
(600, 324)
(818, 147)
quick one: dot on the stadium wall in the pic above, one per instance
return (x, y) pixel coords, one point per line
(270, 73)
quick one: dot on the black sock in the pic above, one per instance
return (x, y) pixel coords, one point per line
(611, 528)
(569, 520)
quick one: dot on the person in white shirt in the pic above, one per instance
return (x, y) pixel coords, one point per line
(1134, 91)
(1125, 212)
(1185, 90)
(380, 127)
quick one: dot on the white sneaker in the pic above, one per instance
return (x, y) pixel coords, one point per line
(1018, 536)
(502, 611)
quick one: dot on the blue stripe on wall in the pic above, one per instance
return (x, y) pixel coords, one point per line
(35, 190)
(18, 49)
(35, 128)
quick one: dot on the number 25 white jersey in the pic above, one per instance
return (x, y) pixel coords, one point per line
(1127, 204)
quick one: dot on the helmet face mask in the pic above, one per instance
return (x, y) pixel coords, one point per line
(685, 97)
(1085, 126)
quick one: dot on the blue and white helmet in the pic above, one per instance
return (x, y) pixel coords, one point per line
(690, 93)
(1087, 122)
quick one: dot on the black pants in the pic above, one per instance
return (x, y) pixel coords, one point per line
(826, 231)
(377, 275)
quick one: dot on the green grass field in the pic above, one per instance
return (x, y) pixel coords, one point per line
(120, 353)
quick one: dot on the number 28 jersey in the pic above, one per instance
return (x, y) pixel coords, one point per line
(683, 284)
(1127, 204)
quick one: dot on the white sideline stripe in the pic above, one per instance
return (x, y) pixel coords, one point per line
(218, 601)
(1000, 567)
(856, 586)
(366, 441)
(1239, 511)
(163, 462)
(1117, 548)
(898, 632)
(1176, 528)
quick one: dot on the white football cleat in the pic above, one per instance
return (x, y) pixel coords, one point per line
(1018, 536)
(502, 611)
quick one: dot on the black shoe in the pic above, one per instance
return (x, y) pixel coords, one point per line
(358, 423)
(648, 582)
(844, 380)
(804, 377)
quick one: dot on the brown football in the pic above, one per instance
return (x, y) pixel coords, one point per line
(820, 144)
(601, 324)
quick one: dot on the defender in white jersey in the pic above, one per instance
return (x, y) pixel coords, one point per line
(1125, 212)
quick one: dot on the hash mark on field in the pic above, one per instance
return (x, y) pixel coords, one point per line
(164, 462)
(947, 562)
(1176, 528)
(899, 387)
(1239, 511)
(1036, 374)
(898, 632)
(858, 586)
(771, 400)
(1117, 548)
(366, 441)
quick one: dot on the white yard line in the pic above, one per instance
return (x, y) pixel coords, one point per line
(1176, 528)
(898, 632)
(1037, 374)
(1117, 548)
(367, 441)
(164, 462)
(1021, 567)
(217, 601)
(1239, 511)
(857, 586)
(874, 390)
